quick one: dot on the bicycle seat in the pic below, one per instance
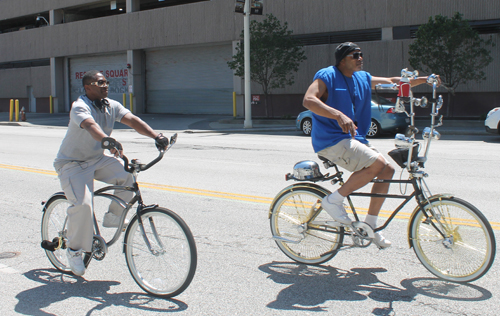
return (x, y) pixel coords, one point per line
(327, 162)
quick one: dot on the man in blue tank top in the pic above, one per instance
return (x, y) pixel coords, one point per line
(340, 99)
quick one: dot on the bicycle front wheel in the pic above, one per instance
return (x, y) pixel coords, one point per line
(467, 249)
(54, 224)
(289, 225)
(166, 267)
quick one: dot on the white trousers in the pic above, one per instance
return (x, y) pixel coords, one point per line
(77, 182)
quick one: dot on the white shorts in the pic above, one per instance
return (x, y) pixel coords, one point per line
(351, 154)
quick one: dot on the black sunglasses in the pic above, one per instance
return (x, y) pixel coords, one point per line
(100, 83)
(356, 55)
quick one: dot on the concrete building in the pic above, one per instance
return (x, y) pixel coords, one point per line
(172, 54)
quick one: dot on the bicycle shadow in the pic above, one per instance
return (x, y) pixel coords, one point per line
(58, 287)
(311, 286)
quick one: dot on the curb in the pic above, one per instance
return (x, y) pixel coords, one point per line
(11, 124)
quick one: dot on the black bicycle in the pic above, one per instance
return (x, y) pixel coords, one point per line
(450, 236)
(159, 247)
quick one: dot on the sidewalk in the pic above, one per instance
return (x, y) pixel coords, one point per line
(226, 123)
(174, 122)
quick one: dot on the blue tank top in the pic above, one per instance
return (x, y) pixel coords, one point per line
(351, 96)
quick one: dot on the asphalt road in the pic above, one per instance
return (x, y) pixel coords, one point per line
(222, 185)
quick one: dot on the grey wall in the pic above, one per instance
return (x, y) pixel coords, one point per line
(14, 82)
(214, 22)
(179, 25)
(211, 22)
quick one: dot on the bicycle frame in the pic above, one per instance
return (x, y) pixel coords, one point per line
(134, 167)
(127, 206)
(122, 203)
(418, 193)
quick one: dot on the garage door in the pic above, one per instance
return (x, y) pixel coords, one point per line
(113, 67)
(193, 80)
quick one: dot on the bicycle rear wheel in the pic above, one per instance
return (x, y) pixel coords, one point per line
(167, 269)
(468, 249)
(54, 223)
(289, 218)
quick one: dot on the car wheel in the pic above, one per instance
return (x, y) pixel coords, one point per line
(374, 130)
(306, 126)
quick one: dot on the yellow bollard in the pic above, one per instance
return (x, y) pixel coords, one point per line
(131, 102)
(17, 110)
(124, 100)
(11, 112)
(51, 105)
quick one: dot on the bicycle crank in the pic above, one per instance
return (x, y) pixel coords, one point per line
(362, 235)
(99, 248)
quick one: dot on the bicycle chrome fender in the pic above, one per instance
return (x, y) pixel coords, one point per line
(53, 196)
(296, 186)
(413, 214)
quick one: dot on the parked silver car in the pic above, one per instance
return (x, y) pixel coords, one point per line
(384, 118)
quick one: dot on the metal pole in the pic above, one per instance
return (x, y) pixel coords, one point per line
(246, 34)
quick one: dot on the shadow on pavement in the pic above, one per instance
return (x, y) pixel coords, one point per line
(57, 287)
(309, 287)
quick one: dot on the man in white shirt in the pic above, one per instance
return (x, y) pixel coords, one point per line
(81, 159)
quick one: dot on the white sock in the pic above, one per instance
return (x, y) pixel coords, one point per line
(335, 198)
(371, 220)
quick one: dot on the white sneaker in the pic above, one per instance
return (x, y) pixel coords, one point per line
(337, 211)
(75, 261)
(381, 241)
(112, 220)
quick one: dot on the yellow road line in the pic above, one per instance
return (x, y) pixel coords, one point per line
(27, 169)
(171, 188)
(217, 194)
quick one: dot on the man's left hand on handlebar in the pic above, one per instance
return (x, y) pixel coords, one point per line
(429, 80)
(161, 142)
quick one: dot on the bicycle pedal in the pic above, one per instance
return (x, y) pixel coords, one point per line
(53, 245)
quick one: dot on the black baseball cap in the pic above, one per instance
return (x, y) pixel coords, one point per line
(343, 50)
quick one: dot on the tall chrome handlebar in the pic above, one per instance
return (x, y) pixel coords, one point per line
(405, 97)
